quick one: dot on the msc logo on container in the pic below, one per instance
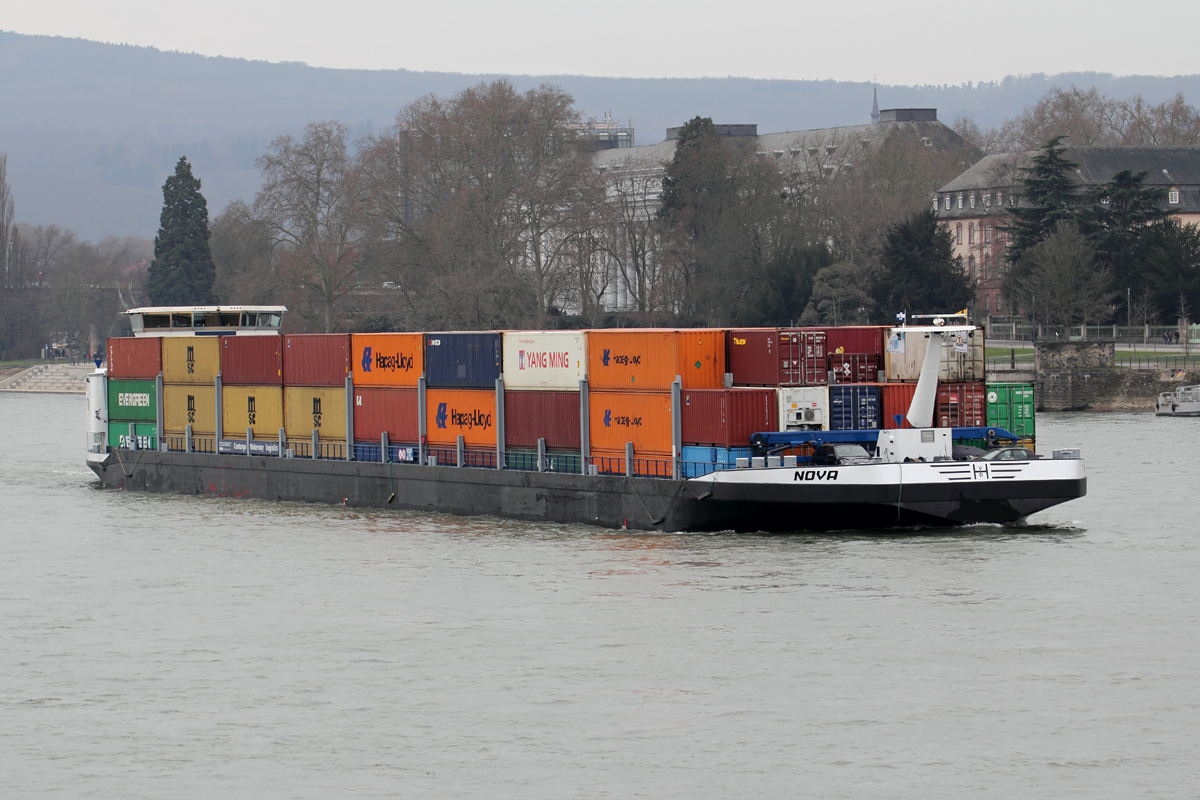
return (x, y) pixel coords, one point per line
(191, 360)
(133, 399)
(250, 413)
(191, 409)
(316, 412)
(386, 363)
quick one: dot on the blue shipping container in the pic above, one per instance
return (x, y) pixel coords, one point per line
(854, 408)
(699, 461)
(462, 360)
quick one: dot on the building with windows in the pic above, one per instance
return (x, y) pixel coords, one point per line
(976, 206)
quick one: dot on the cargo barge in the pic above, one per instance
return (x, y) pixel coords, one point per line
(447, 447)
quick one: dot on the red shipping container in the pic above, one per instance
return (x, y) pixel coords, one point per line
(868, 339)
(135, 358)
(316, 359)
(778, 357)
(533, 415)
(897, 397)
(802, 357)
(252, 360)
(727, 417)
(393, 410)
(854, 367)
(961, 405)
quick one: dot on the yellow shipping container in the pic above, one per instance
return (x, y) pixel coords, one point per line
(257, 407)
(191, 359)
(320, 408)
(193, 405)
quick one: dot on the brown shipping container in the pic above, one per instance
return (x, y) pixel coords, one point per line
(867, 339)
(802, 357)
(469, 412)
(961, 405)
(647, 360)
(535, 414)
(191, 359)
(132, 358)
(854, 367)
(754, 357)
(897, 397)
(379, 409)
(316, 359)
(251, 360)
(387, 359)
(257, 407)
(728, 417)
(320, 408)
(190, 404)
(643, 418)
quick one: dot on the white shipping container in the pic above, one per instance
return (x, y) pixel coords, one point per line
(955, 367)
(545, 359)
(804, 408)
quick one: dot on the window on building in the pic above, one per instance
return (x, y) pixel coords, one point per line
(987, 305)
(971, 233)
(987, 266)
(1000, 198)
(1173, 196)
(960, 202)
(999, 305)
(987, 233)
(987, 201)
(958, 233)
(972, 199)
(935, 205)
(971, 266)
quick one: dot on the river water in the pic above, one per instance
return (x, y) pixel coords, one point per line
(167, 646)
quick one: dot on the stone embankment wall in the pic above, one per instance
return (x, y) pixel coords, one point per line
(1079, 376)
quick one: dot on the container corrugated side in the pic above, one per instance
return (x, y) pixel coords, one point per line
(462, 360)
(469, 412)
(319, 408)
(854, 408)
(129, 401)
(1012, 406)
(191, 359)
(190, 404)
(955, 367)
(854, 367)
(643, 418)
(701, 357)
(134, 358)
(387, 359)
(754, 358)
(256, 407)
(252, 360)
(145, 435)
(961, 405)
(552, 360)
(860, 339)
(378, 409)
(316, 359)
(727, 417)
(636, 360)
(897, 397)
(802, 357)
(701, 460)
(531, 415)
(804, 408)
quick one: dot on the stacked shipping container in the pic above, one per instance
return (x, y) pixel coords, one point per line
(252, 386)
(386, 369)
(133, 369)
(190, 365)
(315, 368)
(542, 371)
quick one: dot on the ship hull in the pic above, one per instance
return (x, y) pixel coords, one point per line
(868, 497)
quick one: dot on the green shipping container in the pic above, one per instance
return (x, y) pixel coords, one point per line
(132, 401)
(145, 434)
(1011, 406)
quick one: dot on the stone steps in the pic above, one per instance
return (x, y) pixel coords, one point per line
(49, 378)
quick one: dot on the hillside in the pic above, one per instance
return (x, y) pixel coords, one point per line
(92, 130)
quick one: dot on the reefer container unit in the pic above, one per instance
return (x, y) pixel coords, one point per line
(379, 409)
(727, 417)
(804, 408)
(145, 435)
(647, 360)
(133, 358)
(251, 360)
(387, 359)
(319, 408)
(132, 400)
(191, 359)
(643, 418)
(469, 412)
(544, 359)
(533, 415)
(316, 359)
(777, 357)
(861, 339)
(854, 367)
(462, 360)
(257, 407)
(190, 404)
(897, 397)
(854, 408)
(955, 367)
(1011, 406)
(961, 405)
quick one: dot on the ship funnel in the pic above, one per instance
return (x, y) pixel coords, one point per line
(920, 412)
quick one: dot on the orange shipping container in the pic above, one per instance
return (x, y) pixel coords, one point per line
(387, 359)
(647, 360)
(469, 412)
(643, 418)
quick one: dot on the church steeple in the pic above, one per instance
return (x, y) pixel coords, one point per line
(875, 107)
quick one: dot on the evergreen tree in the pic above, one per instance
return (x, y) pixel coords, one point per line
(182, 272)
(1049, 195)
(1116, 216)
(920, 273)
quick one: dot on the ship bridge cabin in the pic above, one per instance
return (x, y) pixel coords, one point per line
(206, 320)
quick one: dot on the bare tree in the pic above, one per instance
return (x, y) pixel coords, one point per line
(1064, 282)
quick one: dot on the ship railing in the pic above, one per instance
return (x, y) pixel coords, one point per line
(204, 444)
(639, 467)
(448, 457)
(373, 451)
(175, 442)
(554, 462)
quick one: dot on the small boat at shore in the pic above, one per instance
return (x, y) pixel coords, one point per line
(1183, 402)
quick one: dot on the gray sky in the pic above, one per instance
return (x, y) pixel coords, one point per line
(945, 41)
